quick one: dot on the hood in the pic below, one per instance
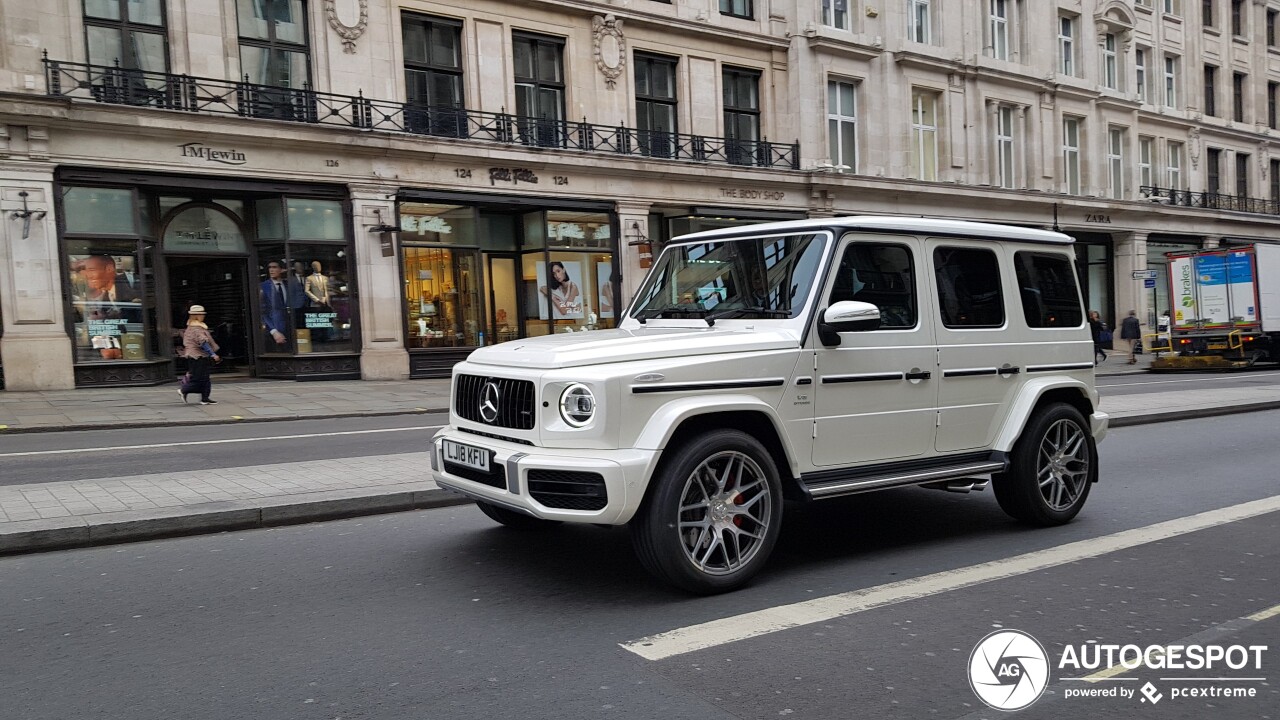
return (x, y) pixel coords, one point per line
(625, 345)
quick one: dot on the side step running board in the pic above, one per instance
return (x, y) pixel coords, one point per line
(962, 485)
(939, 477)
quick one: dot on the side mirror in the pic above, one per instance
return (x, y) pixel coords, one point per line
(847, 316)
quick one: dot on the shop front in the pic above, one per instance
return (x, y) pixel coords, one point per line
(268, 261)
(480, 269)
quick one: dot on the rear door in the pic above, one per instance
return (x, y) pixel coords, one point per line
(875, 391)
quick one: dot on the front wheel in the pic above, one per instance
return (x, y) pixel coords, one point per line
(513, 519)
(714, 514)
(1051, 468)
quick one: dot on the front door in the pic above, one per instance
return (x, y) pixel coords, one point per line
(876, 391)
(504, 307)
(220, 284)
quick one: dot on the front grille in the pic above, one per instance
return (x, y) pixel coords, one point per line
(568, 490)
(496, 477)
(515, 401)
(496, 436)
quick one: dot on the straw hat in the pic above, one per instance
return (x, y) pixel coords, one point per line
(196, 310)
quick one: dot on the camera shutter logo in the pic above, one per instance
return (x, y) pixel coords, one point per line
(490, 397)
(1008, 670)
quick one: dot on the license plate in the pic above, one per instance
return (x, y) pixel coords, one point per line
(466, 455)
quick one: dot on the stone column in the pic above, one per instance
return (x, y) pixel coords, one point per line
(35, 348)
(633, 216)
(1130, 255)
(1211, 242)
(383, 354)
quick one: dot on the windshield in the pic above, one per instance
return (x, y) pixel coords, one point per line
(768, 277)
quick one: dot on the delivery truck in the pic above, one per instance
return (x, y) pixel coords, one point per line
(1225, 308)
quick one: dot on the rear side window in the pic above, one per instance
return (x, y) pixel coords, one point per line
(882, 275)
(1047, 286)
(968, 287)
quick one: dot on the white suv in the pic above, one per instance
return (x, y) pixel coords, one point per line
(800, 360)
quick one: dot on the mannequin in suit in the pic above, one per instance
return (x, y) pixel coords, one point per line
(274, 303)
(317, 286)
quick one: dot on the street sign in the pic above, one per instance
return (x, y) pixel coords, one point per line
(1149, 283)
(1146, 274)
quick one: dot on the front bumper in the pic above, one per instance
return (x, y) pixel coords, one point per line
(1098, 424)
(624, 472)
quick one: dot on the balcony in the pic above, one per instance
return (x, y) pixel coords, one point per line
(1210, 201)
(206, 96)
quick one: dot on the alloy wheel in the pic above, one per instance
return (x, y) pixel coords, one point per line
(1062, 469)
(725, 509)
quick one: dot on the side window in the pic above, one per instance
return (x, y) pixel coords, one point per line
(1048, 290)
(968, 287)
(882, 275)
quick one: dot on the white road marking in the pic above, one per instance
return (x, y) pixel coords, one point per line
(1187, 380)
(784, 617)
(216, 442)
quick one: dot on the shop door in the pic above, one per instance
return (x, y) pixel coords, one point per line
(221, 286)
(504, 308)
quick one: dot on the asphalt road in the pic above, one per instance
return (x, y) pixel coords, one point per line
(440, 614)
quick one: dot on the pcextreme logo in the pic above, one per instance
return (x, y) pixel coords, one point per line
(1008, 670)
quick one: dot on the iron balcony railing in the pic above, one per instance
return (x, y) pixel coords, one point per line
(184, 93)
(1212, 201)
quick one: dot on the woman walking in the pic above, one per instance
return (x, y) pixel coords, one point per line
(201, 352)
(1096, 328)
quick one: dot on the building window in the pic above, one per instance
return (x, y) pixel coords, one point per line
(1274, 179)
(835, 13)
(1214, 170)
(919, 25)
(1170, 7)
(737, 8)
(1146, 151)
(273, 42)
(1272, 16)
(1237, 18)
(433, 75)
(1237, 96)
(1115, 162)
(842, 125)
(741, 114)
(998, 23)
(129, 32)
(1272, 89)
(656, 104)
(1067, 45)
(1109, 69)
(1071, 154)
(1173, 168)
(1005, 161)
(924, 135)
(1140, 66)
(1242, 175)
(1207, 14)
(1170, 81)
(539, 77)
(1210, 91)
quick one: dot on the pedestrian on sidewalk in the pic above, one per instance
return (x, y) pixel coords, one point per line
(201, 353)
(1096, 328)
(1131, 333)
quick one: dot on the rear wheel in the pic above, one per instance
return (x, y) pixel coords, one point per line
(1051, 468)
(513, 519)
(714, 514)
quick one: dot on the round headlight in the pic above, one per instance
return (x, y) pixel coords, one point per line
(577, 405)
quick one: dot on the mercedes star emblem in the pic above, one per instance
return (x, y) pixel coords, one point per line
(489, 399)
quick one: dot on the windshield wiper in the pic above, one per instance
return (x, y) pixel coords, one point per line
(759, 311)
(676, 311)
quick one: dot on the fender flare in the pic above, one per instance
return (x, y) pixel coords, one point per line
(662, 424)
(1028, 396)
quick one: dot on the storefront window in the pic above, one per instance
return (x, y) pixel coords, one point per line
(587, 230)
(270, 219)
(1098, 281)
(442, 296)
(322, 322)
(99, 211)
(437, 224)
(315, 219)
(203, 229)
(574, 291)
(109, 310)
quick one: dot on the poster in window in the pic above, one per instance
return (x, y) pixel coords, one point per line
(562, 288)
(604, 279)
(107, 304)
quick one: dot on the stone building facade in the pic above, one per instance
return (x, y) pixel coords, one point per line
(372, 188)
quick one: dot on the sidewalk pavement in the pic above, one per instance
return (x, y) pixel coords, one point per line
(48, 516)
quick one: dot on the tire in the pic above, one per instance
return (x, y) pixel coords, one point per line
(513, 519)
(1056, 445)
(713, 514)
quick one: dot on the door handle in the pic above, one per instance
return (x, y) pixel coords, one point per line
(924, 375)
(1008, 371)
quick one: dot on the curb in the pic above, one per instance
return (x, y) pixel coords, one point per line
(1172, 415)
(118, 527)
(127, 424)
